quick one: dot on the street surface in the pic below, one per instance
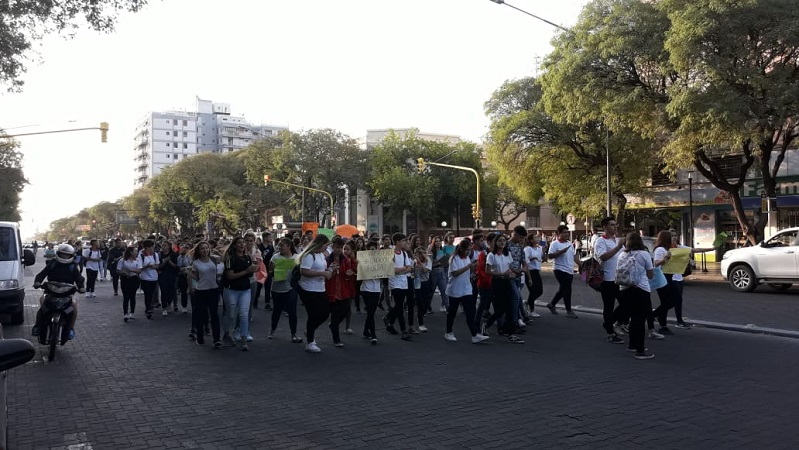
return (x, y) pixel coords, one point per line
(144, 385)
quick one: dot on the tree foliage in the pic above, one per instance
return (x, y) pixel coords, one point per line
(24, 22)
(12, 179)
(702, 78)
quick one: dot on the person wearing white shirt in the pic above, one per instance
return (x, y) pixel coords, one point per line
(459, 291)
(499, 266)
(92, 258)
(403, 265)
(314, 271)
(607, 249)
(533, 254)
(561, 251)
(637, 295)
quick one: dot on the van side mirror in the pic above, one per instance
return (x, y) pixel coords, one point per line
(15, 352)
(28, 258)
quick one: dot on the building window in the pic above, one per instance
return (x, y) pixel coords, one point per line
(167, 155)
(185, 123)
(174, 133)
(534, 217)
(185, 134)
(167, 133)
(230, 141)
(167, 144)
(185, 145)
(174, 121)
(175, 156)
(659, 178)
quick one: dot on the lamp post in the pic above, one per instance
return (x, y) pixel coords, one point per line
(502, 2)
(691, 208)
(493, 224)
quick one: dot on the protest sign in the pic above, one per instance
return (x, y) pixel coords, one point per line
(374, 264)
(678, 261)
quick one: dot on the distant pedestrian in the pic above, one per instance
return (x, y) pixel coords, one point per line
(636, 294)
(127, 269)
(313, 273)
(285, 298)
(459, 290)
(562, 252)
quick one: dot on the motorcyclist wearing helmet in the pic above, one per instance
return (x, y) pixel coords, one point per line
(63, 269)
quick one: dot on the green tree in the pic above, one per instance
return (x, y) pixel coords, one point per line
(439, 193)
(24, 22)
(704, 78)
(12, 179)
(538, 155)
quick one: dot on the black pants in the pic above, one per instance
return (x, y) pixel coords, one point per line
(469, 308)
(677, 291)
(183, 287)
(91, 279)
(502, 300)
(536, 289)
(206, 305)
(666, 296)
(398, 311)
(370, 301)
(149, 288)
(420, 298)
(610, 293)
(486, 298)
(565, 290)
(114, 277)
(258, 288)
(640, 307)
(285, 301)
(268, 290)
(316, 308)
(338, 312)
(129, 287)
(168, 285)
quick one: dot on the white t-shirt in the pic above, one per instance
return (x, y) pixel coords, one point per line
(371, 285)
(564, 262)
(149, 274)
(643, 262)
(533, 256)
(125, 266)
(459, 285)
(602, 246)
(499, 262)
(92, 265)
(400, 281)
(316, 262)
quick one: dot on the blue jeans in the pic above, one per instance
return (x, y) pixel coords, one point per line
(438, 279)
(237, 304)
(516, 302)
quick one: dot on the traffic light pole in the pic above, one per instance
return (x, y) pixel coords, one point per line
(477, 213)
(103, 132)
(268, 180)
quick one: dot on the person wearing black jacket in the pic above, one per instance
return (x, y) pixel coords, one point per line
(268, 252)
(114, 255)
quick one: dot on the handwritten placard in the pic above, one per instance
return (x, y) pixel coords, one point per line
(374, 264)
(680, 257)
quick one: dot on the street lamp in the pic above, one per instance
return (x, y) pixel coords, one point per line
(523, 224)
(444, 224)
(493, 224)
(502, 2)
(691, 207)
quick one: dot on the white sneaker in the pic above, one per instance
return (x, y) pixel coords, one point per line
(236, 335)
(184, 310)
(423, 328)
(164, 313)
(478, 338)
(443, 309)
(349, 331)
(535, 314)
(450, 337)
(312, 348)
(249, 338)
(655, 335)
(521, 323)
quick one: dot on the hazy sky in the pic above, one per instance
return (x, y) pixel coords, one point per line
(350, 65)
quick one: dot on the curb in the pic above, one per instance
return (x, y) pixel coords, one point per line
(748, 328)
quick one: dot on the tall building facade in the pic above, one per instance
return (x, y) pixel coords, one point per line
(165, 138)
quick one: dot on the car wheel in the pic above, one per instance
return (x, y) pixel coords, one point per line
(780, 286)
(742, 279)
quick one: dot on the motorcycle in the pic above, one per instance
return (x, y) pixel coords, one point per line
(56, 310)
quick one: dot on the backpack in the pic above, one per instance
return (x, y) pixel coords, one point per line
(625, 271)
(155, 257)
(591, 273)
(294, 279)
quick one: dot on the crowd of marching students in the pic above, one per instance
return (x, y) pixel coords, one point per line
(481, 276)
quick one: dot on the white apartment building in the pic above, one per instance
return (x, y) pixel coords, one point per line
(165, 138)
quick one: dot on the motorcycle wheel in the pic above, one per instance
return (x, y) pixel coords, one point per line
(55, 335)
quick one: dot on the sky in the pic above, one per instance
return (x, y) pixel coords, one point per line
(350, 65)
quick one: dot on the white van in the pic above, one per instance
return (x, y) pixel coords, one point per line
(13, 259)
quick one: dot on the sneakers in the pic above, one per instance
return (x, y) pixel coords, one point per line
(175, 309)
(443, 309)
(390, 328)
(571, 314)
(665, 331)
(71, 335)
(423, 328)
(374, 341)
(406, 336)
(450, 337)
(126, 317)
(551, 308)
(521, 323)
(164, 313)
(513, 339)
(613, 339)
(413, 330)
(655, 335)
(217, 345)
(644, 355)
(634, 350)
(349, 331)
(535, 314)
(244, 346)
(249, 338)
(312, 348)
(296, 340)
(150, 316)
(478, 338)
(683, 326)
(184, 310)
(619, 330)
(236, 335)
(228, 340)
(338, 344)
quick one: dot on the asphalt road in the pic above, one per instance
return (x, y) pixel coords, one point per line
(144, 385)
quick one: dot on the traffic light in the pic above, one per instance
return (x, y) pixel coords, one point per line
(475, 212)
(103, 132)
(266, 180)
(420, 165)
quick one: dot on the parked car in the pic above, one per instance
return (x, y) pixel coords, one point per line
(13, 260)
(13, 353)
(774, 262)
